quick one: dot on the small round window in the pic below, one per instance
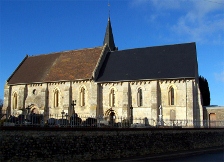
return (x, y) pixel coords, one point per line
(34, 91)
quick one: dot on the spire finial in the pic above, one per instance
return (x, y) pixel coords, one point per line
(109, 8)
(109, 39)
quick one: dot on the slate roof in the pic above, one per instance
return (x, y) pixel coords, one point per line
(67, 65)
(159, 62)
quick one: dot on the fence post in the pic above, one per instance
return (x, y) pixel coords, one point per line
(98, 121)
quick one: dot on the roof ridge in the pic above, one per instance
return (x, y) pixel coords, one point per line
(156, 46)
(64, 51)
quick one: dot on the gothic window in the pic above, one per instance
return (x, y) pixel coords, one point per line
(112, 98)
(34, 92)
(56, 98)
(82, 96)
(171, 96)
(139, 97)
(14, 100)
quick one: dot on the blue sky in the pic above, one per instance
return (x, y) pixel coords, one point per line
(46, 26)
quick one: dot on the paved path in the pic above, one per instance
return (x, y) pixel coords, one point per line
(205, 157)
(208, 155)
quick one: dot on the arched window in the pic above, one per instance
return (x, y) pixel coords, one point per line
(56, 98)
(112, 98)
(15, 101)
(82, 96)
(171, 96)
(139, 97)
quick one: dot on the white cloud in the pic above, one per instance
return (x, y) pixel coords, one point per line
(220, 76)
(168, 4)
(200, 29)
(202, 8)
(159, 4)
(200, 21)
(138, 2)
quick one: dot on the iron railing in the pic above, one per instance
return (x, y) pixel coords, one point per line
(56, 120)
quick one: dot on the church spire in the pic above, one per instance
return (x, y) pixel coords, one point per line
(109, 39)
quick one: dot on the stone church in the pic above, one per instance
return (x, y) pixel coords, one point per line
(139, 83)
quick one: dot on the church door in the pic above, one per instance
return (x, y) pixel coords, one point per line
(35, 111)
(112, 118)
(212, 120)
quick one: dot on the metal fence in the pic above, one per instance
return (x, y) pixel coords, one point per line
(55, 120)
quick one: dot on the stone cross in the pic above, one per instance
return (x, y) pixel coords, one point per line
(160, 116)
(73, 104)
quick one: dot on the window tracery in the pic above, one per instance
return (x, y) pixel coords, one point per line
(56, 98)
(139, 97)
(82, 96)
(112, 98)
(171, 96)
(15, 100)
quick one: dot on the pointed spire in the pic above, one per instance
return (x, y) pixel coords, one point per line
(109, 39)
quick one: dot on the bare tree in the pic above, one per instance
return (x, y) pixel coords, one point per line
(1, 103)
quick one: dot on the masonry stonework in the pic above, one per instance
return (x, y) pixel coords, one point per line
(102, 144)
(97, 101)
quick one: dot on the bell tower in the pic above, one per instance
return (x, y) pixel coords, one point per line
(109, 39)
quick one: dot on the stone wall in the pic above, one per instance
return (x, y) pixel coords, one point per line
(41, 95)
(60, 144)
(154, 93)
(217, 110)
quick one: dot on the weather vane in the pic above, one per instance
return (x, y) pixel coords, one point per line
(109, 7)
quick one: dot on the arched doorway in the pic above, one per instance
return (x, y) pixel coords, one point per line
(111, 116)
(35, 111)
(35, 116)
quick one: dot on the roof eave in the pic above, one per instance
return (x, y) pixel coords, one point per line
(87, 79)
(181, 78)
(17, 67)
